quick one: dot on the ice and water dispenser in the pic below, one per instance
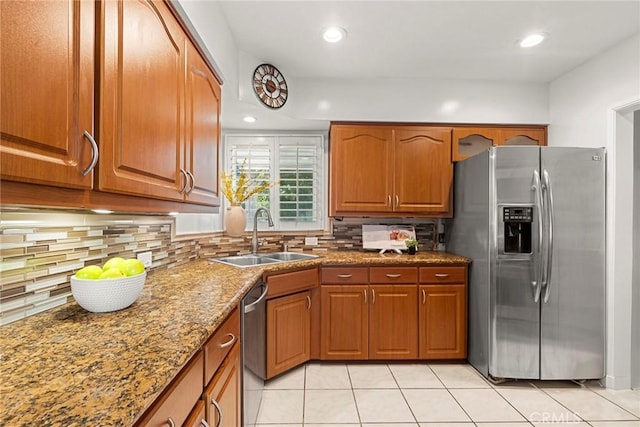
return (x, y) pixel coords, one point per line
(517, 222)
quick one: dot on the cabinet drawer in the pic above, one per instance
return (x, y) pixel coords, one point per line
(289, 283)
(341, 275)
(393, 274)
(456, 274)
(177, 401)
(219, 345)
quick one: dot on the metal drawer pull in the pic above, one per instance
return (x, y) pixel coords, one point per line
(309, 302)
(393, 276)
(230, 342)
(219, 410)
(389, 200)
(397, 201)
(424, 296)
(365, 296)
(94, 153)
(204, 423)
(345, 276)
(373, 292)
(170, 423)
(442, 275)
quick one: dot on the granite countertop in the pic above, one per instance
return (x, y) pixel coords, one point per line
(70, 367)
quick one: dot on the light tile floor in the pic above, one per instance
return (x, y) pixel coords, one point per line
(435, 395)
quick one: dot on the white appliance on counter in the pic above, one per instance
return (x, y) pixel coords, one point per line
(532, 219)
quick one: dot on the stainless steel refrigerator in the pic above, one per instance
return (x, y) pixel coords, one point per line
(532, 219)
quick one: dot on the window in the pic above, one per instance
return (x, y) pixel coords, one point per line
(297, 162)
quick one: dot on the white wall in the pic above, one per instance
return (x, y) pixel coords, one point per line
(582, 106)
(404, 100)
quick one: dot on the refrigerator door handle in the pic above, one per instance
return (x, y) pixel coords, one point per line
(546, 183)
(537, 266)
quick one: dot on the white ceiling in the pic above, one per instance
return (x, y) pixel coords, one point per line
(429, 39)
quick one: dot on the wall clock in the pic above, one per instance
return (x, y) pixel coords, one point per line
(270, 86)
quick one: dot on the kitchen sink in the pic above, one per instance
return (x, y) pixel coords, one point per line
(288, 256)
(251, 260)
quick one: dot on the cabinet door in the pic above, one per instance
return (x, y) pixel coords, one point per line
(288, 332)
(202, 131)
(443, 321)
(47, 81)
(178, 400)
(222, 395)
(393, 322)
(142, 74)
(361, 162)
(197, 416)
(423, 170)
(469, 141)
(344, 322)
(523, 136)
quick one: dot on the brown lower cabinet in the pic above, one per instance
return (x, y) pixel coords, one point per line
(393, 313)
(443, 312)
(212, 375)
(344, 328)
(291, 304)
(288, 332)
(197, 418)
(223, 394)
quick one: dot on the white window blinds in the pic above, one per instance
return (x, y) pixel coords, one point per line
(297, 162)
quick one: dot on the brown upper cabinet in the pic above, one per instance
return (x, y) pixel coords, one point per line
(469, 141)
(47, 74)
(155, 117)
(379, 170)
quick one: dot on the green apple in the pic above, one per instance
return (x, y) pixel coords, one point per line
(113, 262)
(112, 273)
(90, 272)
(132, 267)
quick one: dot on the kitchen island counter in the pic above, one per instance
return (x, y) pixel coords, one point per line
(71, 367)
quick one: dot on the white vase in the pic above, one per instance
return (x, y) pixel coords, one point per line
(235, 220)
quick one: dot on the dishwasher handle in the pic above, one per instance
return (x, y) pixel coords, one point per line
(250, 307)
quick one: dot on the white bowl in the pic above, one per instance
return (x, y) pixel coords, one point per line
(100, 296)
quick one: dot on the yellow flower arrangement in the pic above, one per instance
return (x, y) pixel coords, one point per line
(239, 189)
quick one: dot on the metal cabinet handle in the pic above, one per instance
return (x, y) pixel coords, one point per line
(389, 200)
(397, 201)
(204, 423)
(170, 422)
(345, 276)
(230, 342)
(193, 182)
(218, 410)
(94, 153)
(308, 302)
(365, 296)
(393, 276)
(424, 296)
(373, 294)
(186, 180)
(442, 275)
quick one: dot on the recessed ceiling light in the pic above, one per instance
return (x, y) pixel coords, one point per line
(334, 34)
(249, 119)
(532, 40)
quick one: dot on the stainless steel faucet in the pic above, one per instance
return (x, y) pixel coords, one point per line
(254, 240)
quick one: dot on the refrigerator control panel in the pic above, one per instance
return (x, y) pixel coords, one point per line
(517, 214)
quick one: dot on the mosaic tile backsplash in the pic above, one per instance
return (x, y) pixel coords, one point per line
(39, 252)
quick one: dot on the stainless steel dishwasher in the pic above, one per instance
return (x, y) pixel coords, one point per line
(254, 352)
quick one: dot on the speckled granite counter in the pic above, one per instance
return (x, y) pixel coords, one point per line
(69, 367)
